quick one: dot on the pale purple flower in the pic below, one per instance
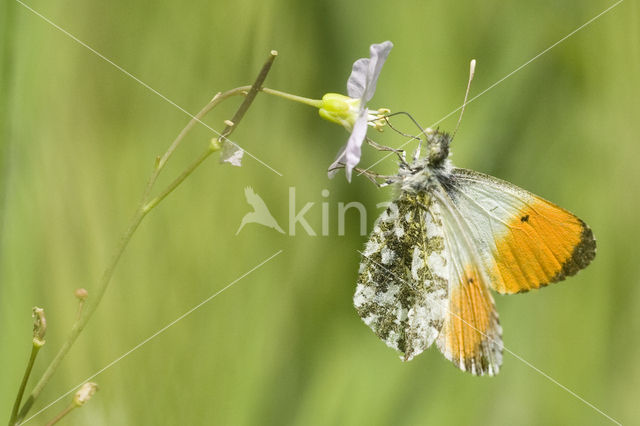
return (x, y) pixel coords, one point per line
(361, 86)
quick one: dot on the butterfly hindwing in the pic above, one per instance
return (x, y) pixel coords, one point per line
(471, 336)
(526, 242)
(402, 285)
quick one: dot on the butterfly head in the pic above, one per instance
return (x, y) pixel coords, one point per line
(436, 156)
(437, 148)
(418, 175)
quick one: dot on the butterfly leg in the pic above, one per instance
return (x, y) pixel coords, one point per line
(399, 152)
(416, 153)
(373, 177)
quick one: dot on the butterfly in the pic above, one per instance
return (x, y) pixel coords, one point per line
(448, 239)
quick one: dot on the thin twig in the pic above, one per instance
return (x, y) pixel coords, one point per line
(173, 185)
(237, 117)
(161, 162)
(61, 414)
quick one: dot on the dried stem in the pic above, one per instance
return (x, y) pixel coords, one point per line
(61, 414)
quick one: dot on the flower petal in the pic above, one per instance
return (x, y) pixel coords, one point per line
(333, 168)
(350, 154)
(365, 72)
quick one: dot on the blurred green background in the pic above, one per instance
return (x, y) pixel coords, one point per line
(284, 345)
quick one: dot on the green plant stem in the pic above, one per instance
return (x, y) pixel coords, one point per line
(61, 414)
(35, 348)
(161, 162)
(80, 308)
(173, 185)
(307, 101)
(143, 209)
(79, 325)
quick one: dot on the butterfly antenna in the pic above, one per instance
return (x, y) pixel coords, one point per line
(413, 137)
(422, 131)
(472, 70)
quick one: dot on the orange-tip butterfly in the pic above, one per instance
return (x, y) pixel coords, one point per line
(450, 236)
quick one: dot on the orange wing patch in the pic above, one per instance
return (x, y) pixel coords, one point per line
(543, 244)
(471, 336)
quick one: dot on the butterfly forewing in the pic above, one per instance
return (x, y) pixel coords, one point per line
(526, 242)
(402, 286)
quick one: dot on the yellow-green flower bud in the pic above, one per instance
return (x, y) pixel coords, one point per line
(215, 144)
(340, 109)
